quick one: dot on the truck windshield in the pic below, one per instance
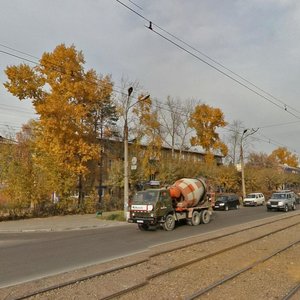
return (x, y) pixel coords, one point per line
(144, 197)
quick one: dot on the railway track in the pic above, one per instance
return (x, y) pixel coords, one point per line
(205, 292)
(293, 294)
(164, 269)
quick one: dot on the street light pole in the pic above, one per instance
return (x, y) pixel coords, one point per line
(126, 179)
(242, 165)
(246, 133)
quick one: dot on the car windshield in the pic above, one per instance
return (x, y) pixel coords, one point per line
(278, 196)
(250, 196)
(222, 198)
(145, 197)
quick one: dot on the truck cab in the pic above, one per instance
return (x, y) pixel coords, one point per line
(149, 207)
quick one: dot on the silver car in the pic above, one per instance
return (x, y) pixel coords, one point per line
(282, 200)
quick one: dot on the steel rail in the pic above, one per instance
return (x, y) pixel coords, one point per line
(119, 268)
(221, 236)
(190, 262)
(76, 280)
(292, 292)
(231, 276)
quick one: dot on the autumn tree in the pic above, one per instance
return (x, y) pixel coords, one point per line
(148, 133)
(174, 116)
(205, 120)
(67, 100)
(234, 142)
(282, 156)
(260, 160)
(26, 183)
(171, 169)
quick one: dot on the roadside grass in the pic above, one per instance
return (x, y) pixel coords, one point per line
(111, 215)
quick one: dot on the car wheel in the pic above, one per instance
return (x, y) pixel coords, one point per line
(286, 208)
(237, 206)
(294, 206)
(226, 207)
(169, 223)
(205, 216)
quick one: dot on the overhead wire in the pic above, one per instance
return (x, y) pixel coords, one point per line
(151, 24)
(151, 27)
(158, 104)
(116, 89)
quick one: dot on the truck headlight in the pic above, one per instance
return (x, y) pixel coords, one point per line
(280, 203)
(268, 203)
(150, 207)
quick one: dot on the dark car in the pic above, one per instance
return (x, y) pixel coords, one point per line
(227, 201)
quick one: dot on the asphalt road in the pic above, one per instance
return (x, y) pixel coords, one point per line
(27, 256)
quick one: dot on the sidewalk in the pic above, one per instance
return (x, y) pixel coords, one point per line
(57, 223)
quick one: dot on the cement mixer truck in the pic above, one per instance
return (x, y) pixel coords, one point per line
(185, 200)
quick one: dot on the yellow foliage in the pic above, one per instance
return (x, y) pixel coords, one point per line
(67, 100)
(148, 132)
(283, 156)
(205, 120)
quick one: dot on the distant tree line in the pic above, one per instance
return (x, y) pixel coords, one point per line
(55, 160)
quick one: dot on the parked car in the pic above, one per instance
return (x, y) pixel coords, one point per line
(297, 198)
(282, 200)
(254, 199)
(227, 201)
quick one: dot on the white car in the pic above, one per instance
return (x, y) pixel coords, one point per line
(254, 199)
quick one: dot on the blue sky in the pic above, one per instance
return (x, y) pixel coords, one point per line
(258, 40)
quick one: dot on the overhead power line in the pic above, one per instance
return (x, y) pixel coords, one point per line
(283, 106)
(275, 143)
(115, 89)
(158, 105)
(17, 56)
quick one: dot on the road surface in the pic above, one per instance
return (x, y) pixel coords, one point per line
(28, 256)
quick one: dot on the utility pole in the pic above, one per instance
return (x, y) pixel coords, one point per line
(126, 179)
(246, 133)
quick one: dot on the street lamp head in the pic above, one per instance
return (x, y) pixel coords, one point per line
(130, 90)
(144, 98)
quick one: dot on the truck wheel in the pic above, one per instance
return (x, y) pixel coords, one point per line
(143, 227)
(294, 206)
(169, 223)
(286, 208)
(205, 216)
(196, 218)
